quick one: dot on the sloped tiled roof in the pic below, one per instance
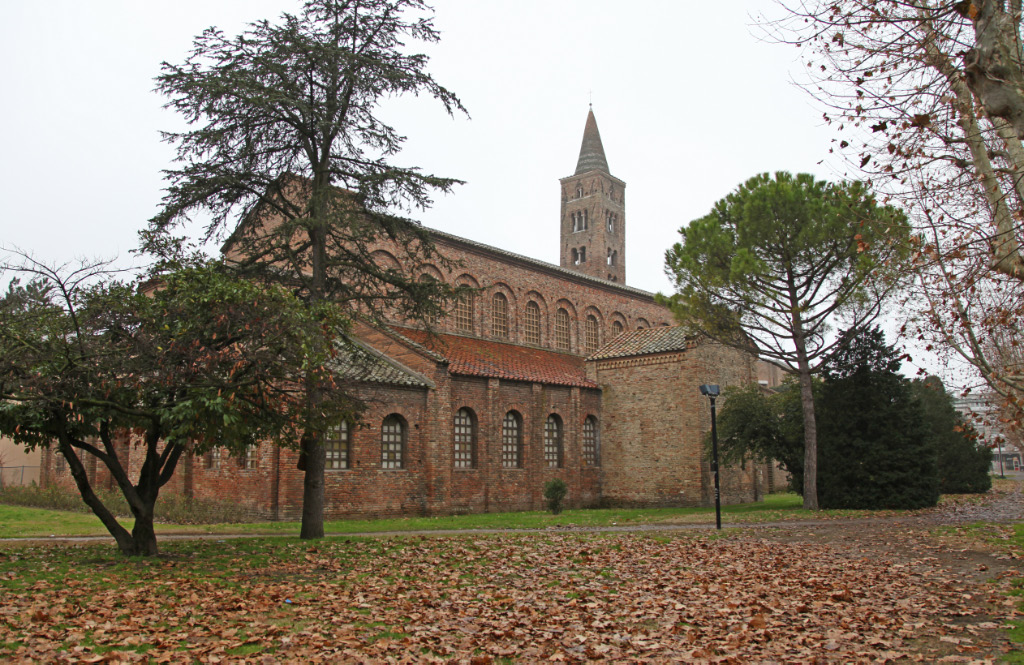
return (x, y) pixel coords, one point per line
(357, 362)
(469, 356)
(641, 342)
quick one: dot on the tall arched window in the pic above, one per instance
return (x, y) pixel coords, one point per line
(617, 328)
(499, 316)
(553, 442)
(531, 323)
(337, 445)
(512, 441)
(464, 314)
(591, 442)
(464, 453)
(427, 278)
(590, 336)
(562, 329)
(392, 443)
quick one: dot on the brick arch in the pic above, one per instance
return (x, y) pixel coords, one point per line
(545, 318)
(642, 323)
(385, 259)
(511, 313)
(429, 270)
(574, 323)
(589, 311)
(617, 317)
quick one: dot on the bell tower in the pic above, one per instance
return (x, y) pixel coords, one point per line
(594, 213)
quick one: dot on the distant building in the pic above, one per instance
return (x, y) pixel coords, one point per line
(981, 411)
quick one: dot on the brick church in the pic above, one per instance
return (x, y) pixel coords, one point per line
(547, 371)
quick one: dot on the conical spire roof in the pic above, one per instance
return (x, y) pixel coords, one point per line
(591, 152)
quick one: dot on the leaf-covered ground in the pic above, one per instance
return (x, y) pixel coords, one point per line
(764, 595)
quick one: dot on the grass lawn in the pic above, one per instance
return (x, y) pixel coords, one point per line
(22, 522)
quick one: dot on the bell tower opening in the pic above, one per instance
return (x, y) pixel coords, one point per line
(593, 215)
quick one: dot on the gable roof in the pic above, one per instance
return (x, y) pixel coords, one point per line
(662, 339)
(469, 356)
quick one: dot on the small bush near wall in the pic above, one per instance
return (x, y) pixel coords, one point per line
(554, 492)
(172, 508)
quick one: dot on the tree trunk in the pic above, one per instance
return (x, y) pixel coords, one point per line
(810, 438)
(143, 535)
(124, 540)
(315, 458)
(312, 442)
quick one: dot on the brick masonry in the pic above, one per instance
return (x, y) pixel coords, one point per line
(651, 418)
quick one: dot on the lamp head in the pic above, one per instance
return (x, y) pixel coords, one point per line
(709, 390)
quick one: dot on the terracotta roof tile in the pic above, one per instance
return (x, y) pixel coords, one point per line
(649, 340)
(357, 362)
(469, 356)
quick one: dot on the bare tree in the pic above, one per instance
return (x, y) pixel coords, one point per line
(926, 100)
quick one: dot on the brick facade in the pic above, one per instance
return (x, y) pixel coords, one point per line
(625, 370)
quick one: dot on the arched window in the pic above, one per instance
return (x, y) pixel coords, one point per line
(586, 220)
(553, 442)
(617, 328)
(464, 314)
(531, 323)
(579, 191)
(337, 445)
(499, 315)
(642, 324)
(590, 337)
(464, 429)
(575, 257)
(562, 329)
(427, 278)
(392, 443)
(583, 254)
(512, 441)
(591, 442)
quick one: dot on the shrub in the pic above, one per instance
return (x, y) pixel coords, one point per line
(554, 492)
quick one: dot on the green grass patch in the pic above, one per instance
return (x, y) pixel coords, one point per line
(18, 521)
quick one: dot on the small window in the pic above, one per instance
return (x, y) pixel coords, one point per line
(591, 442)
(338, 447)
(579, 191)
(512, 441)
(586, 220)
(642, 324)
(464, 314)
(392, 443)
(562, 329)
(531, 323)
(590, 338)
(499, 316)
(465, 439)
(212, 459)
(553, 442)
(575, 256)
(583, 254)
(249, 458)
(617, 328)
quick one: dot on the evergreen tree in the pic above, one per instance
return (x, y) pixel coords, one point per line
(876, 450)
(288, 153)
(775, 264)
(963, 464)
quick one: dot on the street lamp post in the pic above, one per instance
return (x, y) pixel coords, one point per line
(712, 391)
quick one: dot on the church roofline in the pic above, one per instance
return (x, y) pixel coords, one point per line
(544, 265)
(576, 176)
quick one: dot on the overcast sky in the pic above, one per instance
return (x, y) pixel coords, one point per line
(688, 100)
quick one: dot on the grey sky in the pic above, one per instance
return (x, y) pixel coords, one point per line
(689, 104)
